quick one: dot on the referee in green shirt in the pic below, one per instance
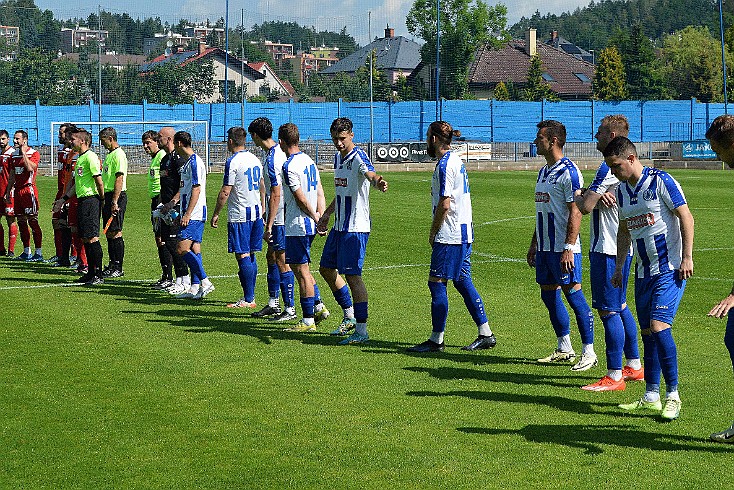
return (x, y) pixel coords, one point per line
(114, 176)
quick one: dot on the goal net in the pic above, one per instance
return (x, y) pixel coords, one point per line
(129, 136)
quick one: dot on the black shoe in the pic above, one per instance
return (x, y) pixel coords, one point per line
(94, 281)
(427, 346)
(482, 342)
(85, 278)
(267, 311)
(162, 283)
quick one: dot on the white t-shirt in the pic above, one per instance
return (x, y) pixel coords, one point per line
(243, 171)
(554, 189)
(300, 172)
(450, 180)
(352, 189)
(655, 229)
(193, 173)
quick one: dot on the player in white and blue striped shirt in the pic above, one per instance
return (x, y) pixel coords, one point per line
(555, 250)
(653, 217)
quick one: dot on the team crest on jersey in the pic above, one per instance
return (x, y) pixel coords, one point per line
(338, 182)
(649, 195)
(181, 184)
(79, 171)
(152, 172)
(542, 197)
(640, 221)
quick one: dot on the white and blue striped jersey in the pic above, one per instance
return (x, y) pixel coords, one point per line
(300, 172)
(604, 220)
(243, 172)
(274, 161)
(554, 189)
(352, 188)
(451, 180)
(655, 229)
(193, 173)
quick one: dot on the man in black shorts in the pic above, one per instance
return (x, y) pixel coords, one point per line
(170, 173)
(114, 176)
(151, 146)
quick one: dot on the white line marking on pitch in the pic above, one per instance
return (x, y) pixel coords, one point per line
(504, 220)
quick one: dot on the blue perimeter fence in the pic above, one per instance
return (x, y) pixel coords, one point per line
(478, 120)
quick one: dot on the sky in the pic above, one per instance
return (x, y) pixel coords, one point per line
(330, 15)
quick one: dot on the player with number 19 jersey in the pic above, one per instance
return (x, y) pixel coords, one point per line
(554, 189)
(243, 171)
(450, 180)
(352, 189)
(274, 177)
(193, 173)
(300, 172)
(647, 208)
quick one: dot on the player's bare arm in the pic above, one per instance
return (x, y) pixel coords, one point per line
(29, 164)
(723, 307)
(186, 217)
(586, 200)
(572, 233)
(99, 185)
(221, 201)
(532, 250)
(686, 230)
(116, 191)
(377, 181)
(275, 193)
(442, 209)
(624, 240)
(303, 205)
(323, 225)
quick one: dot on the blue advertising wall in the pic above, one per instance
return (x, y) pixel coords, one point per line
(478, 120)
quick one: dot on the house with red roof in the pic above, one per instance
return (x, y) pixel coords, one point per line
(569, 76)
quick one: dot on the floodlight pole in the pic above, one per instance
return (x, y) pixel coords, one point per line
(226, 60)
(99, 60)
(723, 56)
(372, 116)
(438, 58)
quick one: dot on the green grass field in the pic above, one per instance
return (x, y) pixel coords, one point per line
(120, 386)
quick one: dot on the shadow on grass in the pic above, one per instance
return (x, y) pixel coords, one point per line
(452, 373)
(558, 402)
(592, 438)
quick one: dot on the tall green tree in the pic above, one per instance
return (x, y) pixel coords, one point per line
(501, 92)
(645, 73)
(171, 83)
(609, 79)
(537, 89)
(465, 26)
(39, 75)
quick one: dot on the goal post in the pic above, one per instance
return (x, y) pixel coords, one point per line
(129, 134)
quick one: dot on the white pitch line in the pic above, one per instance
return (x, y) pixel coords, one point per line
(715, 249)
(504, 220)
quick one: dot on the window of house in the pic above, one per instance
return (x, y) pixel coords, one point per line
(547, 77)
(583, 77)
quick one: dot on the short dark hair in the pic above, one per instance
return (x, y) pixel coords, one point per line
(620, 146)
(85, 135)
(25, 135)
(262, 127)
(443, 132)
(182, 137)
(289, 134)
(554, 129)
(151, 135)
(108, 132)
(722, 130)
(340, 125)
(238, 135)
(4, 132)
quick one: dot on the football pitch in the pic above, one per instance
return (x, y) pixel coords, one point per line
(121, 386)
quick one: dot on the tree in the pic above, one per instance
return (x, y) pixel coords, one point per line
(645, 75)
(465, 26)
(537, 89)
(501, 92)
(171, 83)
(609, 79)
(37, 75)
(693, 59)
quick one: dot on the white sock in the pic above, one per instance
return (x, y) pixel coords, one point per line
(206, 283)
(194, 288)
(349, 312)
(634, 364)
(673, 395)
(308, 321)
(27, 250)
(186, 281)
(437, 337)
(179, 281)
(38, 251)
(484, 330)
(273, 302)
(361, 329)
(651, 396)
(615, 374)
(564, 343)
(588, 349)
(318, 307)
(290, 310)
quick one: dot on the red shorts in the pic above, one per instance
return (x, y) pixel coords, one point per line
(71, 218)
(26, 201)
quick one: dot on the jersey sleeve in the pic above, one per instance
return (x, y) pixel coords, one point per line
(121, 163)
(291, 177)
(270, 167)
(603, 180)
(670, 191)
(35, 157)
(230, 172)
(94, 165)
(571, 181)
(365, 165)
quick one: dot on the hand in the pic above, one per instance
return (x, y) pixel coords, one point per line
(167, 207)
(531, 255)
(214, 221)
(686, 269)
(617, 279)
(567, 262)
(323, 224)
(185, 219)
(115, 208)
(381, 184)
(58, 204)
(722, 309)
(431, 239)
(608, 199)
(268, 235)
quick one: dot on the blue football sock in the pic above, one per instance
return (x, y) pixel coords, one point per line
(650, 354)
(343, 298)
(668, 357)
(614, 337)
(729, 335)
(307, 306)
(253, 277)
(195, 265)
(316, 293)
(631, 351)
(287, 284)
(557, 310)
(245, 274)
(439, 305)
(273, 280)
(360, 312)
(584, 315)
(472, 300)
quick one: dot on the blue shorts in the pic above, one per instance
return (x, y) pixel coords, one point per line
(194, 231)
(451, 262)
(345, 252)
(298, 249)
(277, 238)
(244, 237)
(548, 269)
(658, 297)
(604, 296)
